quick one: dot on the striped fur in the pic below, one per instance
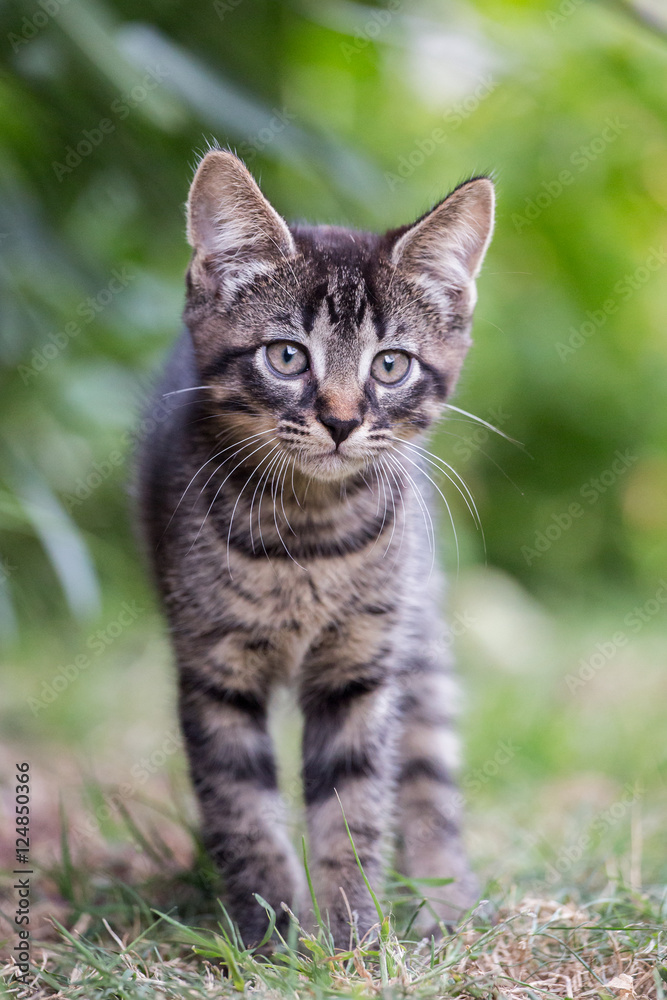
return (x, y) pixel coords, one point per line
(290, 546)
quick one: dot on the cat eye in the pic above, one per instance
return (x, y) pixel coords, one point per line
(286, 359)
(390, 367)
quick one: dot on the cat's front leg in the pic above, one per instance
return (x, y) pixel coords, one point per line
(349, 706)
(428, 798)
(233, 769)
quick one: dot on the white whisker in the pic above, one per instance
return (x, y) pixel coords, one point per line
(231, 520)
(404, 518)
(259, 505)
(288, 458)
(393, 508)
(444, 498)
(275, 518)
(294, 458)
(485, 423)
(192, 388)
(244, 441)
(265, 472)
(486, 455)
(384, 515)
(438, 464)
(423, 506)
(247, 441)
(217, 492)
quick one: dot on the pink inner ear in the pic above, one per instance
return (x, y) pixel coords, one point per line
(229, 215)
(450, 242)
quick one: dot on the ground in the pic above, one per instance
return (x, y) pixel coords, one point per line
(564, 783)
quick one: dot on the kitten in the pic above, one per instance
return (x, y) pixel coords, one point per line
(290, 543)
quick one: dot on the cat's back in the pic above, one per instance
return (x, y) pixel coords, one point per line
(164, 451)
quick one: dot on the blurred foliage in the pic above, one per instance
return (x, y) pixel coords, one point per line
(363, 115)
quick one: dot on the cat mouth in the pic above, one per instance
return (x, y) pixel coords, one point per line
(331, 465)
(337, 456)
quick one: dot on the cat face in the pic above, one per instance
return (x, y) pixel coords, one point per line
(330, 343)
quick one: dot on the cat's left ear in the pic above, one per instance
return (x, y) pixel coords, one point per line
(235, 232)
(444, 249)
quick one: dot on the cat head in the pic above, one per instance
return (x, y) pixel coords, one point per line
(332, 342)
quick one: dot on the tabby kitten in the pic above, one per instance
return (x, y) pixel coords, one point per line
(291, 544)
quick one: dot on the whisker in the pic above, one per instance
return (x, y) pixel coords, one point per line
(298, 502)
(437, 462)
(231, 520)
(201, 469)
(384, 516)
(485, 423)
(282, 491)
(404, 518)
(377, 480)
(444, 498)
(423, 506)
(192, 388)
(275, 518)
(217, 492)
(252, 502)
(485, 453)
(259, 506)
(393, 508)
(229, 457)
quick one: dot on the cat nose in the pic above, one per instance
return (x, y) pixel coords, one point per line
(339, 429)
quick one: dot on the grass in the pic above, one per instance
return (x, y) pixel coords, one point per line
(565, 810)
(109, 936)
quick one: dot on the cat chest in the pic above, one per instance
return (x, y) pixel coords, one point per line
(282, 594)
(287, 607)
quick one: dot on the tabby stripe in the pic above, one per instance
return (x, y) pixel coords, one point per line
(331, 306)
(331, 702)
(221, 363)
(322, 777)
(312, 305)
(244, 701)
(424, 767)
(235, 404)
(439, 380)
(230, 753)
(318, 548)
(235, 764)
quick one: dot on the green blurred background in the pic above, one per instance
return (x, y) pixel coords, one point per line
(360, 115)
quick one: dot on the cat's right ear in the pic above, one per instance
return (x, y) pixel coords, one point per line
(235, 233)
